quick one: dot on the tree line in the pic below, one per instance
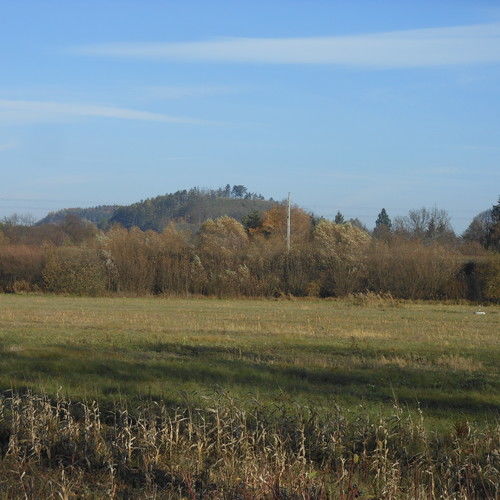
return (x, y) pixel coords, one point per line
(417, 256)
(191, 206)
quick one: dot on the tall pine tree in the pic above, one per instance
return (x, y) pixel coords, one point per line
(493, 238)
(383, 225)
(383, 219)
(339, 218)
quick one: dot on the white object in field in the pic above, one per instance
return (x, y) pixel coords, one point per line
(480, 312)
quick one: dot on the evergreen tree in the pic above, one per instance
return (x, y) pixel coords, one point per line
(493, 238)
(383, 219)
(253, 220)
(239, 191)
(339, 218)
(495, 213)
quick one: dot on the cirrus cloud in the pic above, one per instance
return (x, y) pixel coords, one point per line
(7, 146)
(36, 111)
(408, 48)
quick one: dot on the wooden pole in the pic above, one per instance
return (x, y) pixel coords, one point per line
(288, 225)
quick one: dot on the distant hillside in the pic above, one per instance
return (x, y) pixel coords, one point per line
(188, 207)
(98, 215)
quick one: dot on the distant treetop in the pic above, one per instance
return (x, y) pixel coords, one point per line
(339, 218)
(383, 219)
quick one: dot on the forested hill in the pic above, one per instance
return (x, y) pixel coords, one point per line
(187, 207)
(98, 215)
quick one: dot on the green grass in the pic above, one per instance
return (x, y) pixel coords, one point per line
(443, 358)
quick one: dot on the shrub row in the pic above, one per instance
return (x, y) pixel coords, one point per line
(224, 259)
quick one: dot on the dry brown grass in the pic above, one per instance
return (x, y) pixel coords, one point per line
(456, 362)
(61, 449)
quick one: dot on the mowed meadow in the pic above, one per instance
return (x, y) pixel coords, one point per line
(362, 397)
(361, 352)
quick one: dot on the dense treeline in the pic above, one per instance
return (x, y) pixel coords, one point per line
(414, 257)
(188, 207)
(99, 215)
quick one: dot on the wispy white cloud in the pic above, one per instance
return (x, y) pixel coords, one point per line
(181, 91)
(28, 111)
(410, 48)
(8, 146)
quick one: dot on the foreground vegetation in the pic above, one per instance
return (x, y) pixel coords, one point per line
(365, 397)
(58, 449)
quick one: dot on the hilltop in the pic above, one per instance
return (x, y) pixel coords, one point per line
(187, 207)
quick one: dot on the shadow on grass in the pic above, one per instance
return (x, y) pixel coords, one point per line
(119, 372)
(345, 348)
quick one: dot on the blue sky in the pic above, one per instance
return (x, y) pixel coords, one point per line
(351, 106)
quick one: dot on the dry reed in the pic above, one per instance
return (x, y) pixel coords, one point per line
(61, 449)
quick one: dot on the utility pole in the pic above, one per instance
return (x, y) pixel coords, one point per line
(288, 222)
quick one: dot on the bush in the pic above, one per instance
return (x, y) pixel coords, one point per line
(340, 253)
(73, 270)
(22, 286)
(481, 278)
(20, 263)
(413, 270)
(132, 253)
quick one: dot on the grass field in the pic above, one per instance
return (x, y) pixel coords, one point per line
(443, 358)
